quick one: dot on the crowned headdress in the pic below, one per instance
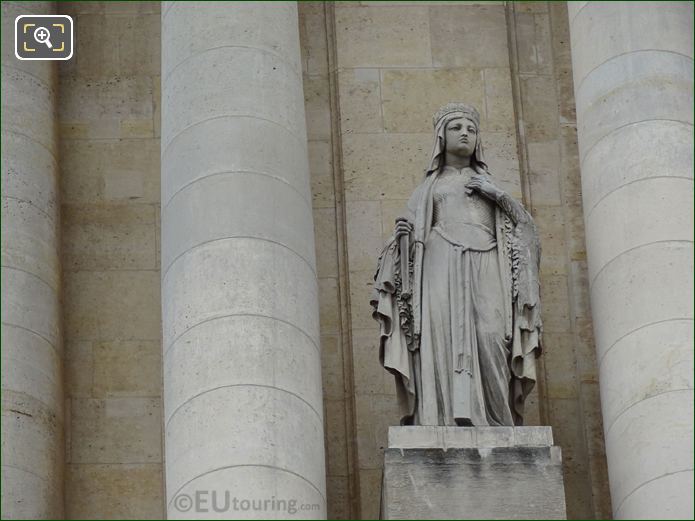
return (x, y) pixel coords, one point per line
(460, 109)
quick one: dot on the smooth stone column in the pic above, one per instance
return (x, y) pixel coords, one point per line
(32, 392)
(242, 382)
(633, 79)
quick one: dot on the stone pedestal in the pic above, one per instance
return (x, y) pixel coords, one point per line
(472, 473)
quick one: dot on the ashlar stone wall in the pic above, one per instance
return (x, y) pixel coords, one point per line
(108, 115)
(374, 72)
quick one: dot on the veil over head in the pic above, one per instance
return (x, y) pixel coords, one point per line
(441, 118)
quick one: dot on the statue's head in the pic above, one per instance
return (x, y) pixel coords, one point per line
(456, 130)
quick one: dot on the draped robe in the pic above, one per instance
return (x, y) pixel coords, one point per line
(463, 346)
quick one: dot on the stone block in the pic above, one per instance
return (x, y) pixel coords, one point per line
(124, 430)
(539, 99)
(97, 237)
(127, 368)
(137, 128)
(116, 8)
(94, 171)
(139, 45)
(329, 305)
(79, 368)
(445, 438)
(411, 96)
(326, 240)
(94, 57)
(502, 159)
(531, 7)
(556, 310)
(490, 475)
(384, 166)
(560, 365)
(361, 287)
(332, 367)
(360, 100)
(382, 36)
(100, 104)
(312, 38)
(336, 439)
(369, 376)
(498, 114)
(98, 304)
(544, 172)
(121, 490)
(339, 501)
(374, 414)
(321, 170)
(364, 234)
(317, 107)
(469, 36)
(370, 485)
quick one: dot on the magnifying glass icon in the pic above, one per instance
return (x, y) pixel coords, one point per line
(42, 35)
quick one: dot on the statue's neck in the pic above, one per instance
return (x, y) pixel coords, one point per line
(455, 161)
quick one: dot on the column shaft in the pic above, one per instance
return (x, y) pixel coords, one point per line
(32, 389)
(242, 383)
(633, 77)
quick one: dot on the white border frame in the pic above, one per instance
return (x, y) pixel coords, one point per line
(72, 39)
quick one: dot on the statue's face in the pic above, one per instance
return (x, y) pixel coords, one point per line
(461, 135)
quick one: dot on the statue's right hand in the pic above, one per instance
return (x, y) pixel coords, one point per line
(403, 227)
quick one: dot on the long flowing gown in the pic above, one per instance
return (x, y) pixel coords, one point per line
(477, 302)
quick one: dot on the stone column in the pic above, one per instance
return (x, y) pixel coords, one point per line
(242, 383)
(633, 80)
(32, 389)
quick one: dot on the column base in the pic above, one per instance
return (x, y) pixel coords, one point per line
(472, 473)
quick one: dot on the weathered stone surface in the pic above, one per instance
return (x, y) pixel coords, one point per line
(234, 125)
(472, 473)
(383, 37)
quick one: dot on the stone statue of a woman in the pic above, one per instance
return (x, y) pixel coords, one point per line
(456, 290)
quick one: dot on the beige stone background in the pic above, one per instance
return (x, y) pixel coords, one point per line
(374, 72)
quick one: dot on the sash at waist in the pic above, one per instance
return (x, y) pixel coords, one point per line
(469, 236)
